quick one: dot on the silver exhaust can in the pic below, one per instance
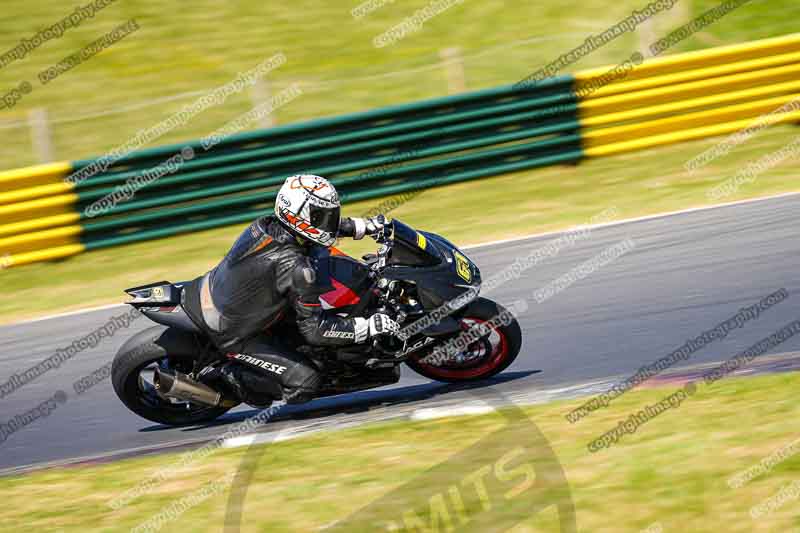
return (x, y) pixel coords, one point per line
(182, 387)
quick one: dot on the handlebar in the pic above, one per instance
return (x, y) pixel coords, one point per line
(383, 238)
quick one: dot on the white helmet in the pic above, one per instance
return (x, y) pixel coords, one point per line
(309, 206)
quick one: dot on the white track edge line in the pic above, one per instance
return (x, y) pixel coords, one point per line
(634, 219)
(65, 314)
(433, 413)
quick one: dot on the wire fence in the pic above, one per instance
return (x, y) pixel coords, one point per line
(43, 135)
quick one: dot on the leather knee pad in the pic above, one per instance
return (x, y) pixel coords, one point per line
(292, 370)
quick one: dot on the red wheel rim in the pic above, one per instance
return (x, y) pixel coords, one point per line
(488, 363)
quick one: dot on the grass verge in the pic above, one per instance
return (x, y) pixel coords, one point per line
(673, 470)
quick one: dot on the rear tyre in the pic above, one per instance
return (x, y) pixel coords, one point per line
(483, 358)
(131, 376)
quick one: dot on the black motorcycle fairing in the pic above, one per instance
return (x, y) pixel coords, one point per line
(171, 316)
(365, 379)
(162, 292)
(461, 265)
(161, 302)
(435, 285)
(440, 271)
(410, 247)
(446, 326)
(174, 341)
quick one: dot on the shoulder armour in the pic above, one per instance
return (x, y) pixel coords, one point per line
(304, 275)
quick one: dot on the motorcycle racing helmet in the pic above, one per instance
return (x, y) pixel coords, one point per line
(309, 206)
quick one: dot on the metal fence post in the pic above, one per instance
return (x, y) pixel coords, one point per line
(41, 139)
(260, 94)
(454, 67)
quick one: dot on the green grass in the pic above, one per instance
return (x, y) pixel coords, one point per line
(180, 49)
(672, 470)
(506, 206)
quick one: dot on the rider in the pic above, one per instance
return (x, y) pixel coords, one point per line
(269, 275)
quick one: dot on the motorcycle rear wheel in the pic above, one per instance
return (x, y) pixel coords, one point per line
(132, 365)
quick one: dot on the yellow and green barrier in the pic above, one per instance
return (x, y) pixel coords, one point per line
(690, 96)
(43, 216)
(370, 154)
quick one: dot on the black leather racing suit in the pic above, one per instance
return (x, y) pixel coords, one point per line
(268, 276)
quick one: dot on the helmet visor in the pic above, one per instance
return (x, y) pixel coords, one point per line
(325, 219)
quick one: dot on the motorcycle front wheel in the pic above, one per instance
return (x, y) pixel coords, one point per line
(482, 358)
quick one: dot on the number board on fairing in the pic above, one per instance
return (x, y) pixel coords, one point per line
(462, 267)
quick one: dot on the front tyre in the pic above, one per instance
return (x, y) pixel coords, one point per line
(132, 377)
(481, 359)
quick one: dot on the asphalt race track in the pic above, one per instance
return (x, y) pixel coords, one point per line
(687, 273)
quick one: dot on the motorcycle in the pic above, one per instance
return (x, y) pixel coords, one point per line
(420, 279)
